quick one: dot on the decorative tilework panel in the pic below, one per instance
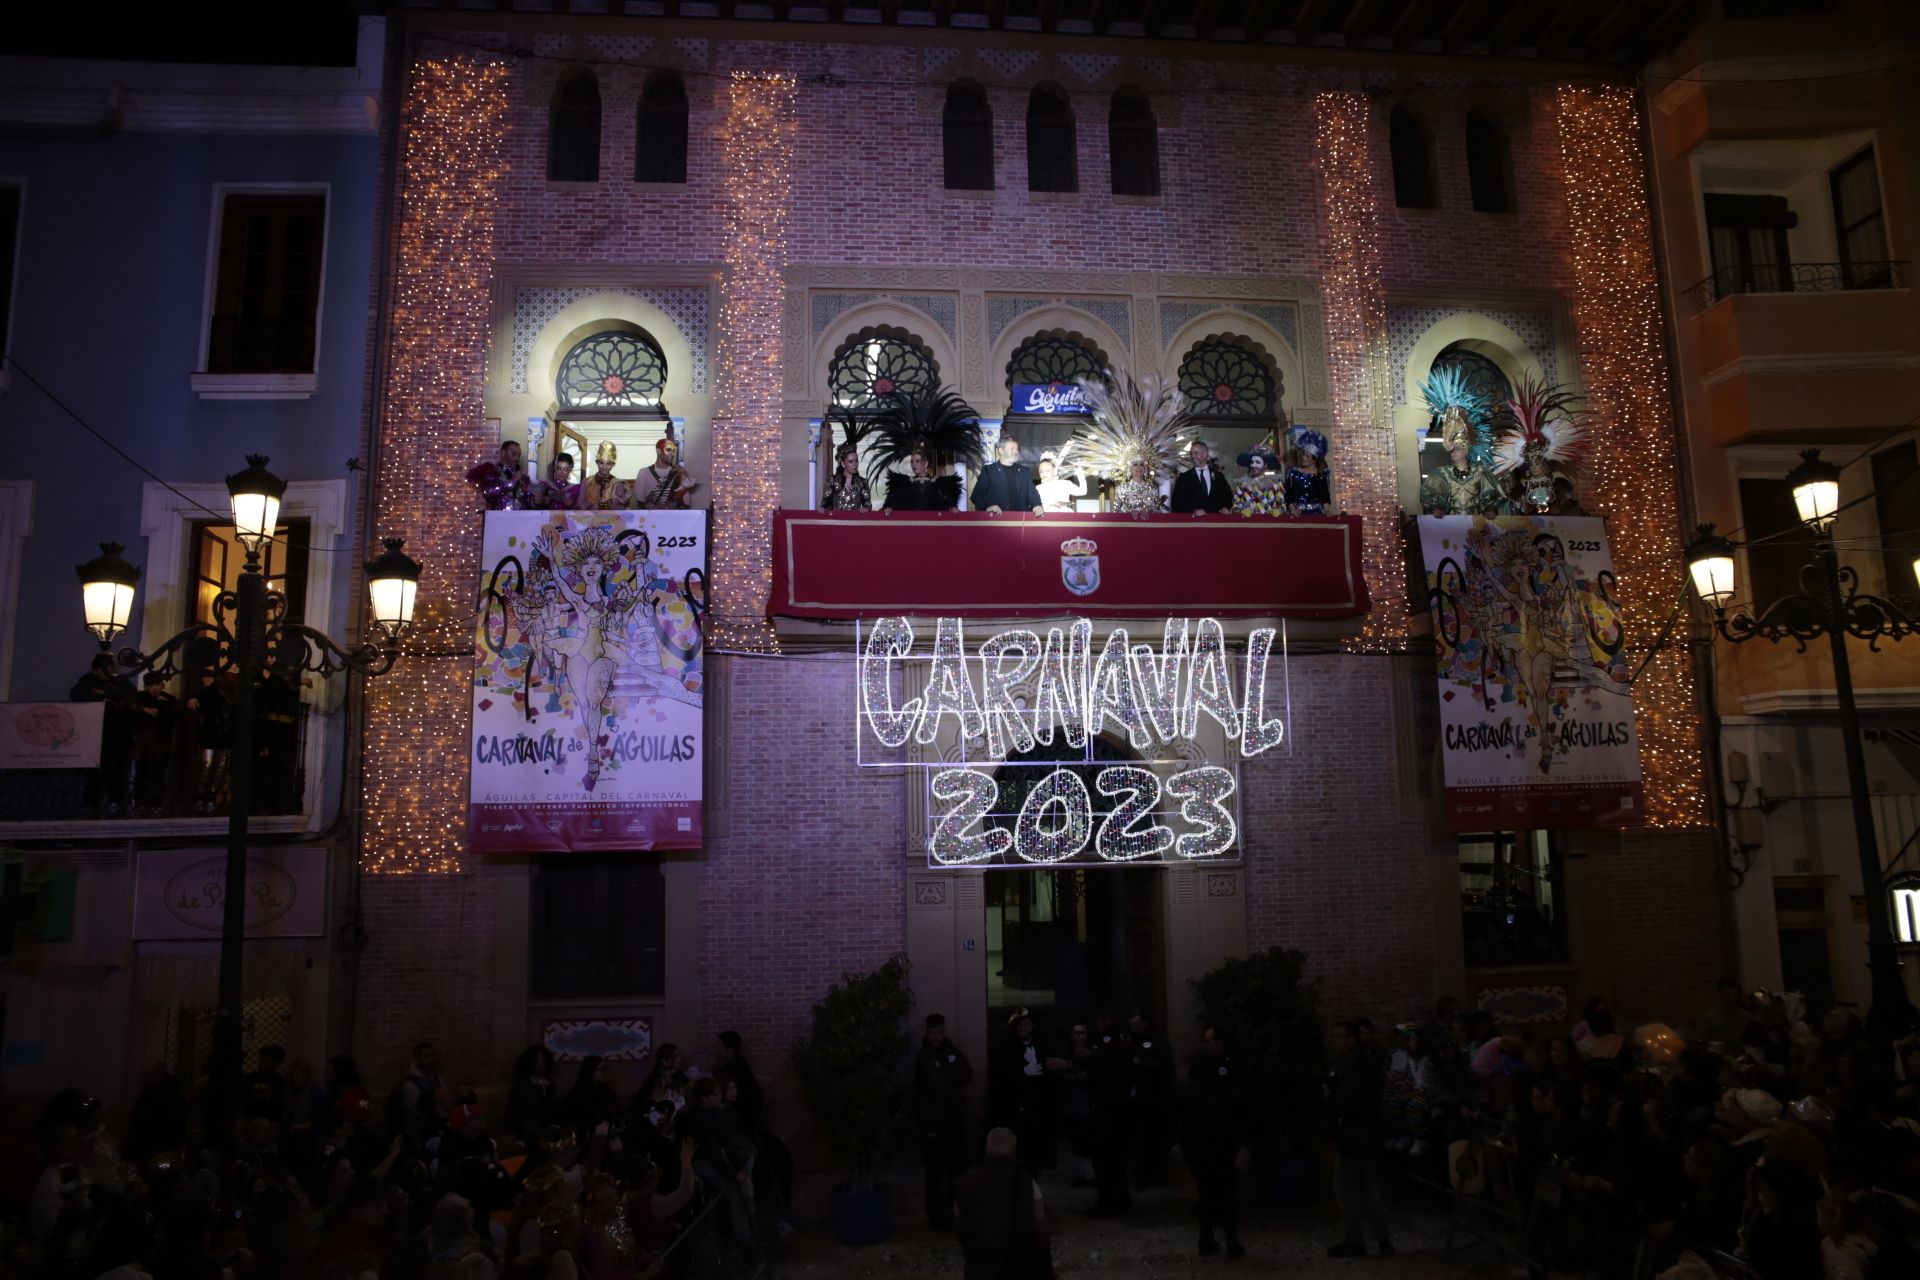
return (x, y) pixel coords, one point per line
(533, 308)
(944, 311)
(621, 48)
(1090, 66)
(932, 60)
(1113, 312)
(1283, 320)
(549, 44)
(1405, 325)
(692, 47)
(827, 307)
(1011, 63)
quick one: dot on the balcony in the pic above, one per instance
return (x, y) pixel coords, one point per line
(165, 769)
(1795, 277)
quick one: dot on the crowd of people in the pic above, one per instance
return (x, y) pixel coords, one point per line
(320, 1178)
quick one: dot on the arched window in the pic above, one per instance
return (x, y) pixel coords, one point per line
(1412, 161)
(967, 130)
(1489, 165)
(614, 370)
(1133, 143)
(876, 365)
(573, 130)
(1228, 379)
(1050, 152)
(1055, 356)
(660, 149)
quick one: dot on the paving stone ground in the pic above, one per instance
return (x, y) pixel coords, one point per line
(1157, 1242)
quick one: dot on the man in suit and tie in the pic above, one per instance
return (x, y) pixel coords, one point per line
(1006, 485)
(1202, 490)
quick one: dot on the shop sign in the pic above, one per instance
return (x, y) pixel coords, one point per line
(51, 735)
(181, 894)
(1047, 398)
(614, 1039)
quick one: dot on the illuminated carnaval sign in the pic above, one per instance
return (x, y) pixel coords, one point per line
(1027, 703)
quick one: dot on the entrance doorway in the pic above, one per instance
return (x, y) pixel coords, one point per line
(1066, 944)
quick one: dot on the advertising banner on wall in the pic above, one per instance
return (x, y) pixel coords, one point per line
(51, 735)
(1536, 713)
(180, 894)
(587, 682)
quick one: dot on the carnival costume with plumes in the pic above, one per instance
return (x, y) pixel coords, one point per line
(666, 484)
(1129, 423)
(502, 487)
(604, 492)
(1450, 490)
(1263, 492)
(847, 492)
(1543, 449)
(1309, 493)
(936, 425)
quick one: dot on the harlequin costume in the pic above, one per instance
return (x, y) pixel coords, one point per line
(1263, 492)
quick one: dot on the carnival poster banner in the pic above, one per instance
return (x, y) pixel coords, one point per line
(1536, 710)
(587, 682)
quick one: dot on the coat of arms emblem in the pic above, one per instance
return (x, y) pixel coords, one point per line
(1079, 566)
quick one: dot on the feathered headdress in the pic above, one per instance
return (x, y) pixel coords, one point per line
(1545, 420)
(1447, 389)
(1129, 422)
(937, 423)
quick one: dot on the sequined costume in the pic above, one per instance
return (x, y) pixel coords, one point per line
(1309, 488)
(502, 487)
(1138, 498)
(847, 493)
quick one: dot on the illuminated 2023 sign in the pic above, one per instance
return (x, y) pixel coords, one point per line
(1017, 693)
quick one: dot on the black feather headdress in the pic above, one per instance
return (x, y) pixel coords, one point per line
(938, 423)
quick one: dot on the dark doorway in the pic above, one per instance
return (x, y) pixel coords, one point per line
(1065, 944)
(1805, 967)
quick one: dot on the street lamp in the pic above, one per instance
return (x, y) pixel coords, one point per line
(248, 624)
(1829, 603)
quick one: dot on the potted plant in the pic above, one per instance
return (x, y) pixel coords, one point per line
(849, 1072)
(1269, 1011)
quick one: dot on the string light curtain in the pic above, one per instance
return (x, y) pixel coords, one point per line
(1364, 469)
(432, 427)
(757, 157)
(1632, 480)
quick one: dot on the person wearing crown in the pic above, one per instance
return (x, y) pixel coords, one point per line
(557, 492)
(1309, 489)
(1263, 492)
(1463, 487)
(666, 484)
(502, 483)
(602, 491)
(848, 489)
(1542, 449)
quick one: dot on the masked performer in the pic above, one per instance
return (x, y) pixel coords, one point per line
(602, 492)
(1309, 487)
(666, 484)
(503, 485)
(1543, 449)
(1263, 492)
(934, 425)
(1133, 433)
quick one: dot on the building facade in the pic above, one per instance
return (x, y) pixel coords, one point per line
(1782, 145)
(765, 222)
(189, 256)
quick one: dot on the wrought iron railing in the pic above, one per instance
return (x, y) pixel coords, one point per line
(168, 760)
(1796, 277)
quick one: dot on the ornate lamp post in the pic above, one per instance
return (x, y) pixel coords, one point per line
(1829, 603)
(248, 627)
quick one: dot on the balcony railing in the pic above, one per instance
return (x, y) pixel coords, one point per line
(172, 760)
(1796, 277)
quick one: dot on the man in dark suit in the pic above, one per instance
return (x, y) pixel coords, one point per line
(1203, 489)
(1006, 485)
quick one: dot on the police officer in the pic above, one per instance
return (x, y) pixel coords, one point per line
(1111, 1082)
(1152, 1090)
(940, 1077)
(1210, 1110)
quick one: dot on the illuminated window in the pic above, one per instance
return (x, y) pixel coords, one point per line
(1225, 380)
(218, 557)
(1489, 165)
(1512, 899)
(598, 927)
(878, 365)
(615, 370)
(1412, 161)
(266, 300)
(660, 155)
(1133, 144)
(573, 130)
(1051, 164)
(967, 135)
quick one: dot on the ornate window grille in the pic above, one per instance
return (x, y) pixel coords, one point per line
(875, 366)
(616, 370)
(1055, 357)
(1226, 380)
